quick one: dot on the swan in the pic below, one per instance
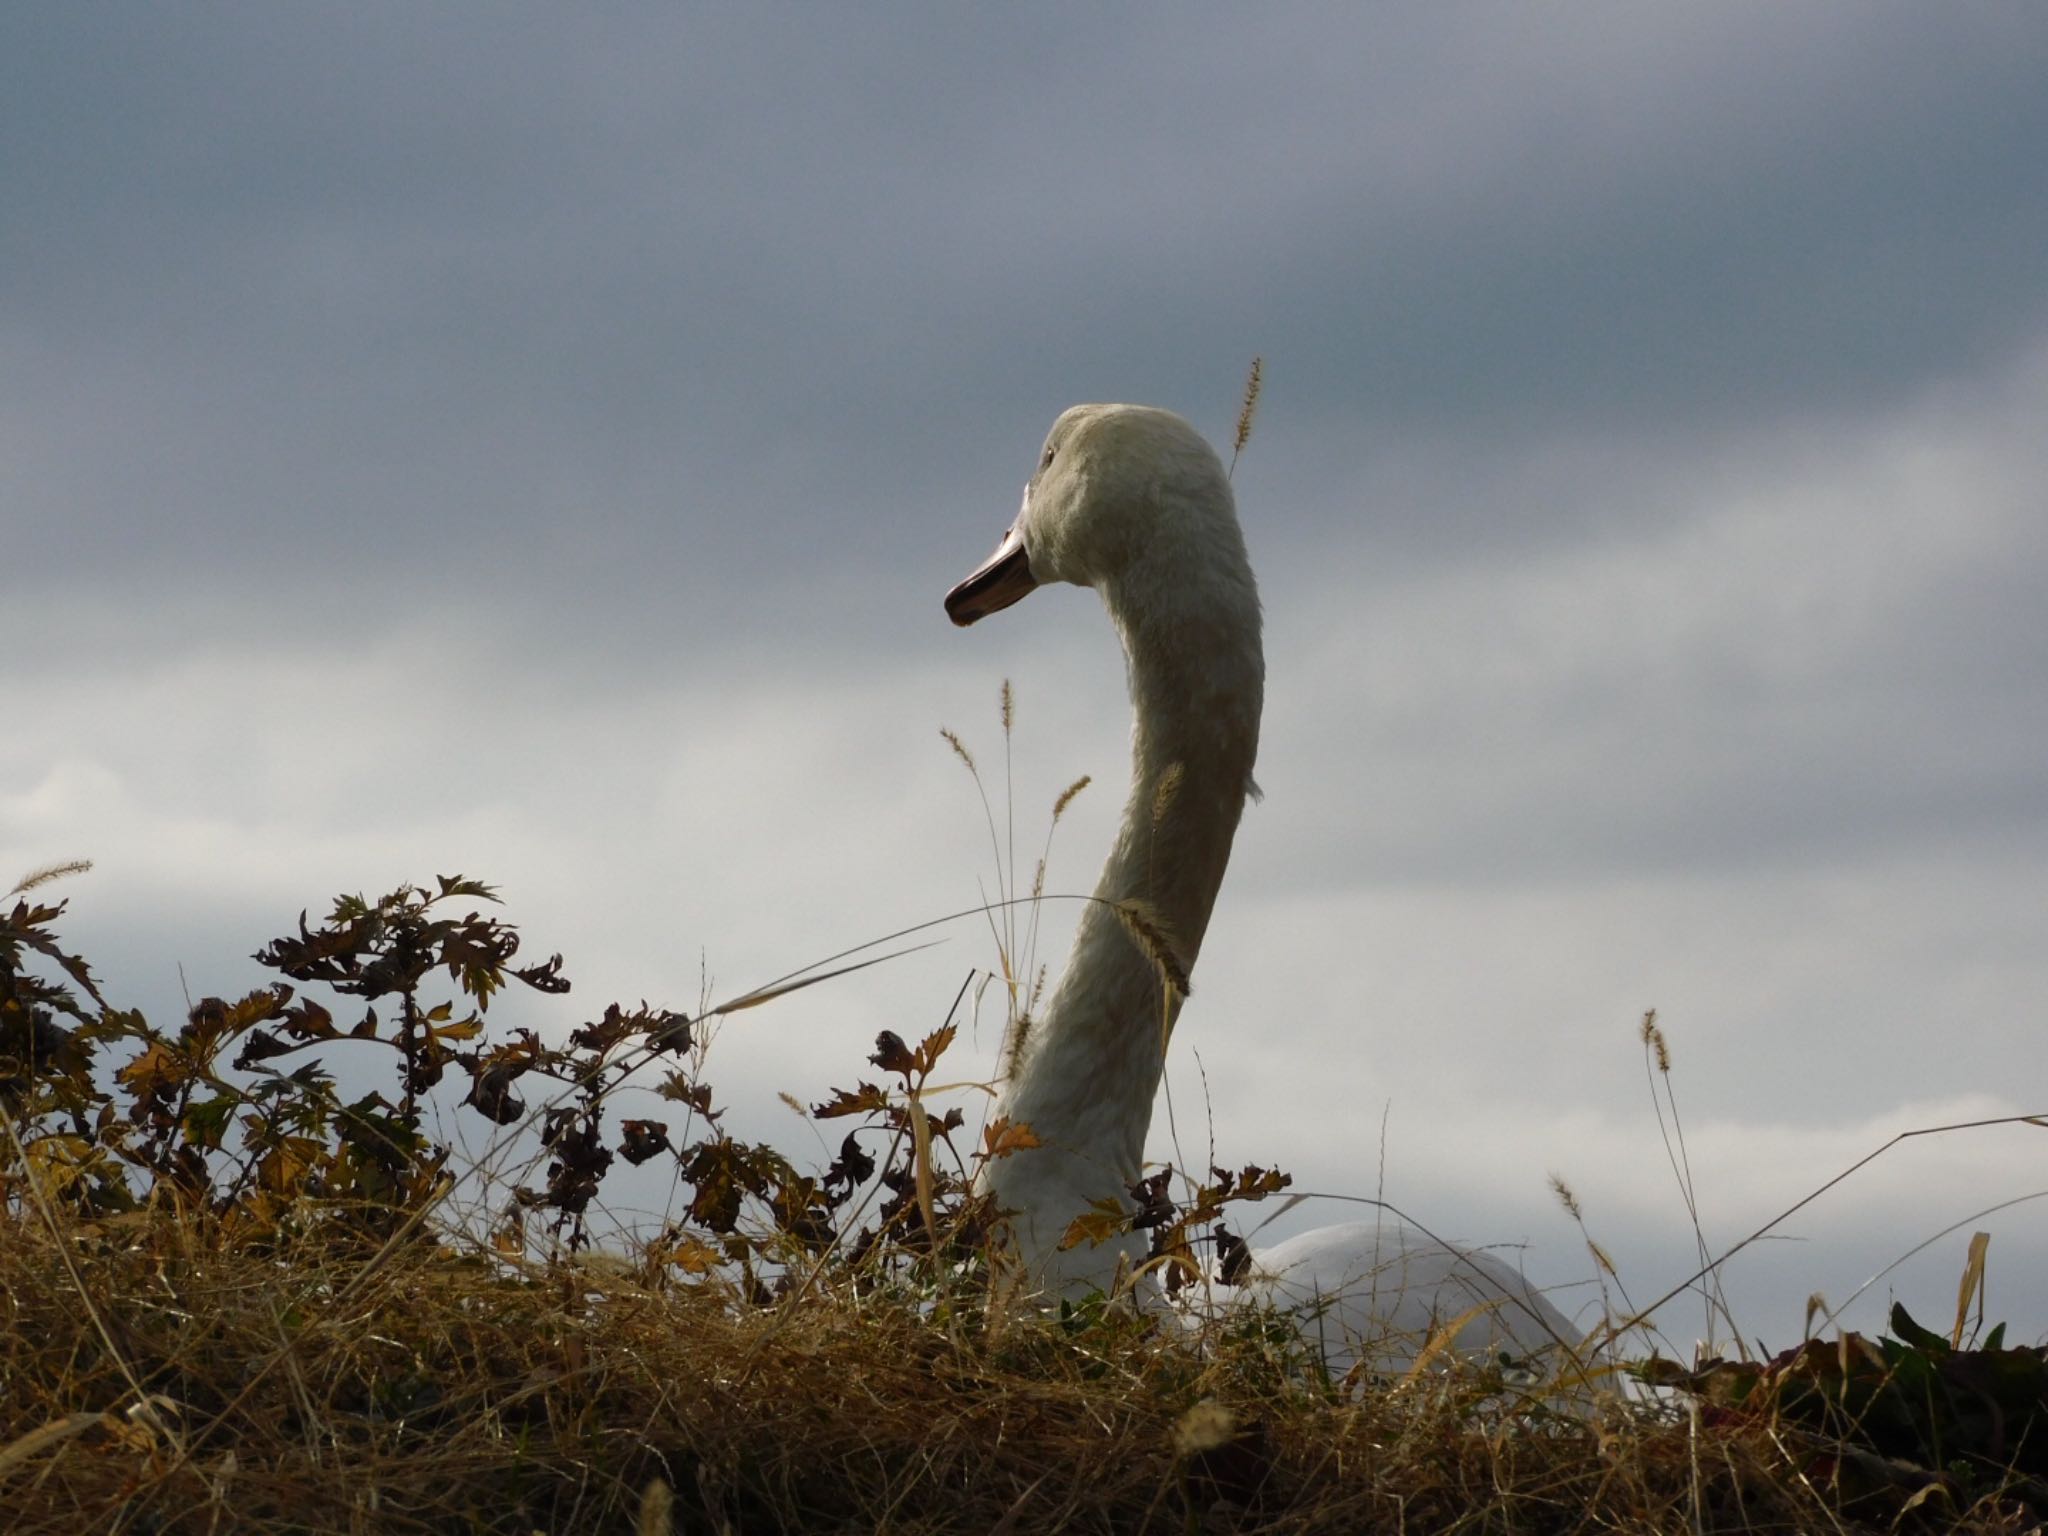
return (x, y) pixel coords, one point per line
(1132, 501)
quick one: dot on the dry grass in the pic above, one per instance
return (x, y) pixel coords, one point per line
(151, 1380)
(204, 1390)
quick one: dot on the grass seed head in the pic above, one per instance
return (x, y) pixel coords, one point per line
(1143, 923)
(1165, 791)
(959, 750)
(1653, 1039)
(49, 872)
(1247, 411)
(1067, 795)
(1565, 1197)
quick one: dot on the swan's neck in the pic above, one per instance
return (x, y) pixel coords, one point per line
(1084, 1076)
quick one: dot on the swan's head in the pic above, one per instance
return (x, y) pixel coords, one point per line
(1122, 493)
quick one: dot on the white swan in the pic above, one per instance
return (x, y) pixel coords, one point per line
(1132, 501)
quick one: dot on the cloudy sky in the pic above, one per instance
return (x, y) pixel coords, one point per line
(536, 447)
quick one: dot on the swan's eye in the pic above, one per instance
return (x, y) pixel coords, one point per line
(1046, 462)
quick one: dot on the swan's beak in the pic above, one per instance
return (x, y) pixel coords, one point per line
(1001, 579)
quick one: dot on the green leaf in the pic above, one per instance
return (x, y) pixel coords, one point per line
(1913, 1334)
(206, 1121)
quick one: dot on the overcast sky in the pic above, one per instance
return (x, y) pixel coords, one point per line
(535, 446)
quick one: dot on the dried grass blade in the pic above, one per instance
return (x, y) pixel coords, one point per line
(921, 1149)
(1973, 1284)
(766, 994)
(32, 1444)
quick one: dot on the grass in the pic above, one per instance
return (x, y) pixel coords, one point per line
(157, 1379)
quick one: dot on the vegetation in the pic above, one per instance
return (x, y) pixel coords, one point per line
(237, 1298)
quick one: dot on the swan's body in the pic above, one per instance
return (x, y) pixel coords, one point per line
(1131, 501)
(1382, 1293)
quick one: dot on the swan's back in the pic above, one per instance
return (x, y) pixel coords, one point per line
(1382, 1292)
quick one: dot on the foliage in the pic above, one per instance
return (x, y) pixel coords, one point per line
(1908, 1408)
(217, 1123)
(212, 1123)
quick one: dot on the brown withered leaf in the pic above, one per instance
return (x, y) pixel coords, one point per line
(643, 1139)
(1255, 1183)
(716, 1203)
(687, 1091)
(581, 1160)
(1180, 1268)
(261, 1045)
(546, 977)
(672, 1032)
(1233, 1256)
(213, 1020)
(1103, 1220)
(307, 1020)
(1002, 1136)
(867, 1099)
(288, 1163)
(892, 1055)
(156, 1074)
(930, 1049)
(461, 1029)
(1155, 1205)
(491, 1095)
(693, 1256)
(852, 1168)
(601, 1035)
(24, 925)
